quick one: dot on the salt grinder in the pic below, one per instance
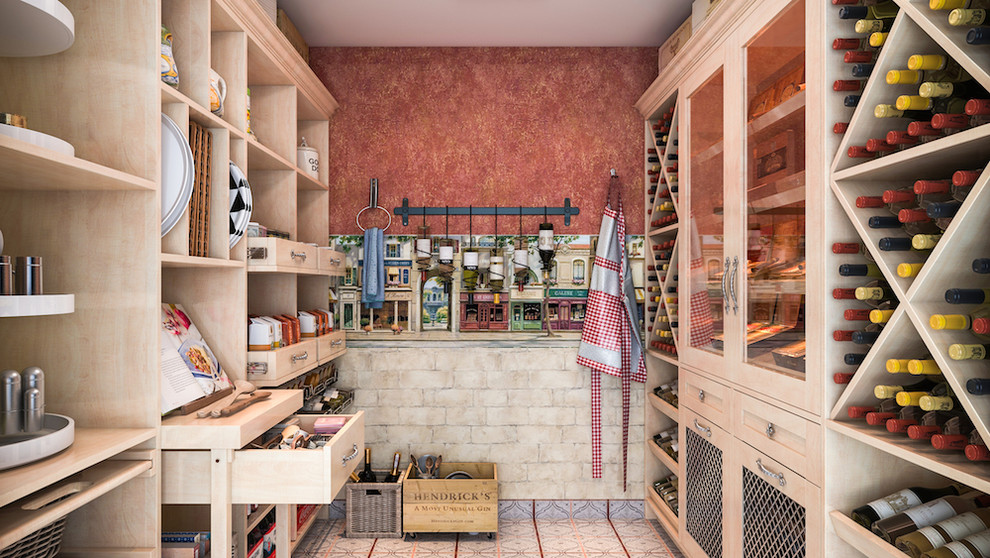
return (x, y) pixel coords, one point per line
(33, 379)
(10, 404)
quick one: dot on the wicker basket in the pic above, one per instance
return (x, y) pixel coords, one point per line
(45, 542)
(374, 509)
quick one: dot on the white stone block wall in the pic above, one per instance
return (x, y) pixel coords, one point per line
(526, 409)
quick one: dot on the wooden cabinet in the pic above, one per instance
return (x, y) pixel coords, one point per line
(705, 487)
(734, 204)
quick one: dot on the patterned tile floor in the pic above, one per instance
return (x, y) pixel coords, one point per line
(516, 538)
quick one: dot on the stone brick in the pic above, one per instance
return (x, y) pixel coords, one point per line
(516, 453)
(553, 472)
(426, 379)
(556, 378)
(400, 397)
(508, 379)
(469, 416)
(464, 453)
(531, 397)
(449, 397)
(403, 359)
(422, 415)
(560, 416)
(364, 398)
(496, 416)
(493, 398)
(563, 453)
(375, 434)
(412, 435)
(451, 434)
(495, 434)
(382, 379)
(534, 434)
(469, 379)
(380, 415)
(576, 397)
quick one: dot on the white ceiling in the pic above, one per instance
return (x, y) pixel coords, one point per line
(491, 23)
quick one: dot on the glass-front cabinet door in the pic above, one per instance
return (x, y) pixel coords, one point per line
(704, 308)
(768, 283)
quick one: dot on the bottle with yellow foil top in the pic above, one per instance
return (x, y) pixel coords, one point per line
(938, 67)
(961, 17)
(977, 322)
(917, 397)
(956, 4)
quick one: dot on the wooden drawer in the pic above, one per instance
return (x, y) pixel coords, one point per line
(273, 368)
(331, 261)
(708, 398)
(270, 476)
(330, 346)
(278, 254)
(786, 437)
(780, 510)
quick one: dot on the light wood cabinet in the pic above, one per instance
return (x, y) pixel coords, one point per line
(833, 462)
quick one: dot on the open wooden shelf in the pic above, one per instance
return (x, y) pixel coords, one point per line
(664, 514)
(667, 460)
(671, 228)
(18, 522)
(179, 260)
(952, 465)
(255, 517)
(187, 432)
(90, 447)
(861, 538)
(669, 359)
(24, 166)
(662, 406)
(301, 531)
(198, 113)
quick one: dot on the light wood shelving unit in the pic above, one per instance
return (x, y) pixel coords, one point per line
(95, 220)
(830, 463)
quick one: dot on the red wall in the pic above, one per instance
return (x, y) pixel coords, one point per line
(485, 126)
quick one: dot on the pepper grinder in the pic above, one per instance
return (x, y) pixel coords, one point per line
(10, 403)
(33, 379)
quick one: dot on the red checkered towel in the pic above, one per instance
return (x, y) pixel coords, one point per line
(609, 340)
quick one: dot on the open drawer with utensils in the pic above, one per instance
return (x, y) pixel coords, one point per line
(270, 476)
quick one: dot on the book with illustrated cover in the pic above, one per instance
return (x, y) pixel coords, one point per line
(189, 368)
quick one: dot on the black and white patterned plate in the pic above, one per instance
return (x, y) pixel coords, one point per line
(240, 204)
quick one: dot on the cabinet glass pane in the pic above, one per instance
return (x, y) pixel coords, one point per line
(774, 264)
(706, 270)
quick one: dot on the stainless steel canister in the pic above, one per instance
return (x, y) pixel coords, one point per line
(27, 275)
(10, 402)
(6, 276)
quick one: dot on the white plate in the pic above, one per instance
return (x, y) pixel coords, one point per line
(241, 201)
(177, 174)
(39, 139)
(35, 27)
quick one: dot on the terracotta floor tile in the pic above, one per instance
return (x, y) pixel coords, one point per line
(602, 545)
(555, 528)
(560, 545)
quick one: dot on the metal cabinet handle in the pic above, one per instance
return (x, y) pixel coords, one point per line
(347, 458)
(336, 342)
(701, 395)
(725, 277)
(334, 261)
(706, 431)
(779, 477)
(732, 284)
(295, 255)
(770, 430)
(296, 358)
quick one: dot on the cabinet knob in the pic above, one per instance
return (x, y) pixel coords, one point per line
(770, 430)
(701, 395)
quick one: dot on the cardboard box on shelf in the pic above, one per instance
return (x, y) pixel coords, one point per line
(701, 9)
(674, 44)
(295, 38)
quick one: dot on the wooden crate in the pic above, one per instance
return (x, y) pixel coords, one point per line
(295, 37)
(454, 505)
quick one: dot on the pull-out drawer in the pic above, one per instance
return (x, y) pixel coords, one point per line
(788, 438)
(273, 476)
(280, 255)
(331, 261)
(706, 397)
(330, 346)
(273, 368)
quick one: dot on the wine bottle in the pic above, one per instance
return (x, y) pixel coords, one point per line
(851, 43)
(393, 475)
(870, 26)
(922, 515)
(981, 265)
(919, 384)
(860, 270)
(955, 4)
(907, 269)
(977, 386)
(945, 531)
(932, 423)
(951, 105)
(366, 474)
(881, 315)
(923, 366)
(884, 406)
(933, 63)
(978, 322)
(949, 89)
(977, 452)
(884, 110)
(976, 545)
(910, 226)
(960, 351)
(960, 17)
(952, 122)
(918, 77)
(876, 293)
(880, 10)
(892, 504)
(906, 418)
(967, 296)
(914, 395)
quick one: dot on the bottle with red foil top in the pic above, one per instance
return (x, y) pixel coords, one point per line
(901, 139)
(934, 422)
(884, 406)
(906, 418)
(950, 122)
(924, 131)
(955, 435)
(924, 515)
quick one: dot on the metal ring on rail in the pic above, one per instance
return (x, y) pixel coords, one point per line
(358, 218)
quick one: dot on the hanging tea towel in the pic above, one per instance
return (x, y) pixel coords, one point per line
(609, 342)
(373, 273)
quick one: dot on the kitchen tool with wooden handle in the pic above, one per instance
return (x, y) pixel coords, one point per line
(242, 404)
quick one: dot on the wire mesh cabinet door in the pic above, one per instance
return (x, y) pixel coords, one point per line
(780, 515)
(705, 458)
